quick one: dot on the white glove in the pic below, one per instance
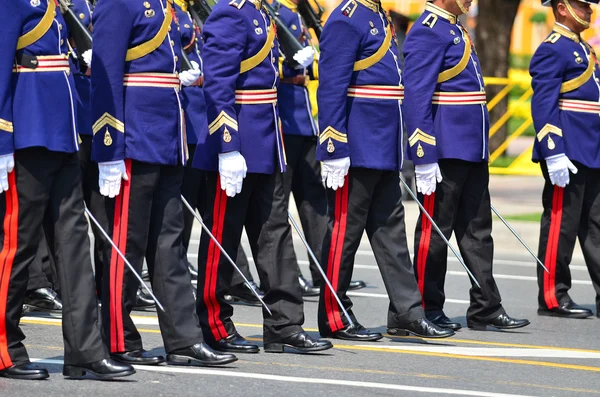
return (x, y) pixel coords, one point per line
(87, 58)
(305, 57)
(188, 77)
(558, 169)
(7, 165)
(111, 173)
(232, 169)
(333, 172)
(428, 176)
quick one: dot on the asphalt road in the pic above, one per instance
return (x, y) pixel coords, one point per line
(551, 357)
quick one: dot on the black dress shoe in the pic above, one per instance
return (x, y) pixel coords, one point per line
(193, 271)
(423, 328)
(356, 284)
(199, 354)
(234, 343)
(442, 321)
(503, 321)
(42, 300)
(241, 293)
(308, 289)
(355, 332)
(145, 275)
(103, 369)
(568, 309)
(25, 371)
(143, 300)
(138, 357)
(300, 342)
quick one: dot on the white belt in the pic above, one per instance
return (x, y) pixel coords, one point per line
(574, 105)
(459, 98)
(376, 92)
(256, 97)
(46, 63)
(161, 80)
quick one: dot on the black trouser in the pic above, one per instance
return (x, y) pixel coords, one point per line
(370, 200)
(96, 204)
(42, 271)
(303, 178)
(261, 208)
(147, 221)
(460, 204)
(569, 213)
(48, 180)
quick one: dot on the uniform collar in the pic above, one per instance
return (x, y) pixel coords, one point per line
(370, 4)
(565, 31)
(182, 4)
(441, 12)
(289, 4)
(256, 3)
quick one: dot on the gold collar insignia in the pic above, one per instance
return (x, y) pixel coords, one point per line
(567, 33)
(441, 12)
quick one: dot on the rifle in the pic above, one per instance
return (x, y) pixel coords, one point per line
(80, 34)
(312, 17)
(290, 45)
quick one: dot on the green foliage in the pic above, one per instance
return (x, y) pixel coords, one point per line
(539, 17)
(531, 217)
(503, 161)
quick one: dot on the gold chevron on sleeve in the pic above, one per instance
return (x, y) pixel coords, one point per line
(549, 129)
(334, 134)
(110, 120)
(6, 125)
(221, 120)
(419, 135)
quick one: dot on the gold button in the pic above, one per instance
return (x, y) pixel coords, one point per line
(60, 26)
(273, 59)
(272, 45)
(172, 43)
(68, 72)
(176, 58)
(82, 16)
(62, 42)
(169, 28)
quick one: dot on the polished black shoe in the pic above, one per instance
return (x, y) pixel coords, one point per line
(300, 342)
(568, 309)
(442, 321)
(422, 328)
(199, 354)
(308, 289)
(145, 275)
(234, 343)
(193, 271)
(42, 300)
(503, 321)
(138, 357)
(356, 284)
(103, 369)
(241, 293)
(143, 300)
(25, 371)
(355, 332)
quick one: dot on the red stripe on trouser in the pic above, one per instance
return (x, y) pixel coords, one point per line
(212, 266)
(7, 258)
(424, 241)
(335, 256)
(117, 264)
(552, 248)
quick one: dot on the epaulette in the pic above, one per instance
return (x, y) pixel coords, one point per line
(237, 3)
(349, 8)
(431, 20)
(553, 38)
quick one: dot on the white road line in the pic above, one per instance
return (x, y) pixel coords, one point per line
(317, 381)
(492, 351)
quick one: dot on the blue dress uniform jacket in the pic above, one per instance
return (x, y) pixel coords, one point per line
(241, 77)
(136, 104)
(445, 105)
(566, 99)
(293, 99)
(194, 104)
(37, 100)
(83, 83)
(360, 89)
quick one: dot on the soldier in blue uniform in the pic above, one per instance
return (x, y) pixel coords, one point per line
(39, 170)
(242, 152)
(300, 131)
(139, 138)
(566, 108)
(448, 123)
(360, 145)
